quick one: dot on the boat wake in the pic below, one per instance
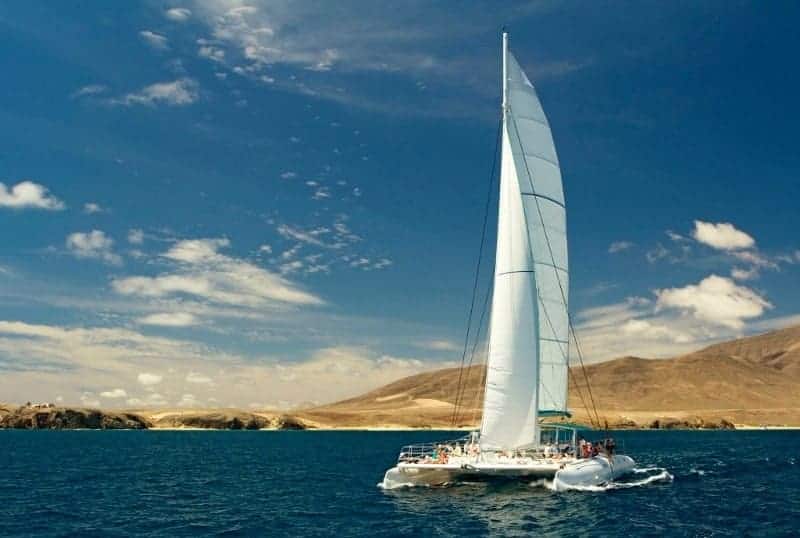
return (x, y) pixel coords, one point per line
(642, 477)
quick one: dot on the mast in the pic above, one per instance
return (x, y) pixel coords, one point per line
(505, 74)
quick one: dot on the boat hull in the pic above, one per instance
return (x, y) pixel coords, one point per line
(423, 474)
(593, 472)
(573, 475)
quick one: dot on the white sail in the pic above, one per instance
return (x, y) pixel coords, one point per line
(528, 336)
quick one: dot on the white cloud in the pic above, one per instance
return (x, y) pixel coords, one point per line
(169, 319)
(148, 380)
(204, 272)
(288, 175)
(180, 92)
(90, 208)
(114, 394)
(619, 246)
(135, 236)
(717, 300)
(721, 236)
(178, 14)
(27, 194)
(156, 41)
(199, 379)
(94, 244)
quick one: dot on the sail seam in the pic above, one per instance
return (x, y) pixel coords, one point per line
(545, 197)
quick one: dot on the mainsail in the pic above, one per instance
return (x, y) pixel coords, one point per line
(529, 332)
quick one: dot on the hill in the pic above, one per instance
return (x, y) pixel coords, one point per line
(753, 380)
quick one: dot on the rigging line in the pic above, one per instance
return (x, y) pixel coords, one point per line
(478, 266)
(583, 369)
(558, 276)
(459, 398)
(481, 383)
(580, 395)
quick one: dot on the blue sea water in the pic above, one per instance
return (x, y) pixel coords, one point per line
(259, 483)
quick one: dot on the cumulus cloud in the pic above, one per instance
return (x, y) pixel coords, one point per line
(721, 236)
(178, 14)
(156, 41)
(169, 319)
(180, 92)
(202, 271)
(94, 244)
(619, 246)
(148, 380)
(114, 394)
(27, 194)
(715, 299)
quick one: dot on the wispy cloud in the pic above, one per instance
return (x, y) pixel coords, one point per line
(169, 319)
(178, 14)
(619, 246)
(154, 40)
(203, 272)
(91, 89)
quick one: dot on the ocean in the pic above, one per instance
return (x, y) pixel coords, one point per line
(307, 483)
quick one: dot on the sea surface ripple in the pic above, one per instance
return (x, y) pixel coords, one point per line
(260, 483)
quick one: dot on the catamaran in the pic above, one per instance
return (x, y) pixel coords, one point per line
(527, 365)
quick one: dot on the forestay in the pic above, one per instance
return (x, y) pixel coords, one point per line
(529, 332)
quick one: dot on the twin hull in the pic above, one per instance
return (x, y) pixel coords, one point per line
(574, 475)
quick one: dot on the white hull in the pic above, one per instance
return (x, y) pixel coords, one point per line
(593, 472)
(570, 475)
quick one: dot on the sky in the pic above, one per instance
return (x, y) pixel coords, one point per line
(211, 203)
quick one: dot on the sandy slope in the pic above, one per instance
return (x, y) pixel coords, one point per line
(753, 380)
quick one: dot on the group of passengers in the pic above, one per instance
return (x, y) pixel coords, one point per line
(441, 453)
(589, 449)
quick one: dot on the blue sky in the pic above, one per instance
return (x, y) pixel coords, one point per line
(216, 202)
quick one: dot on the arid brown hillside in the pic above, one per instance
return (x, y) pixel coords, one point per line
(754, 380)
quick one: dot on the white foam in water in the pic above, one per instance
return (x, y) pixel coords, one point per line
(661, 475)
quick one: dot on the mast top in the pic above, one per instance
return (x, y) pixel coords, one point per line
(505, 70)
